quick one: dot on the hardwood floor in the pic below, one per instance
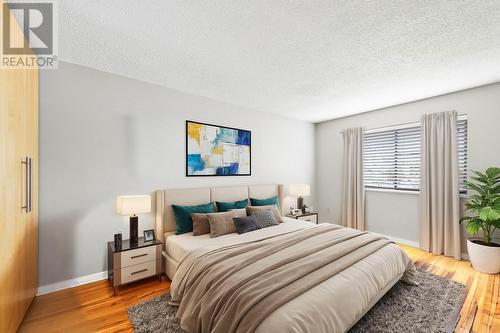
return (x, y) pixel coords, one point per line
(92, 307)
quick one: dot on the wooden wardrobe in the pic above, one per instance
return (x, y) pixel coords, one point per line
(18, 193)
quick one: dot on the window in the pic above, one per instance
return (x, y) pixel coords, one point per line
(392, 157)
(462, 152)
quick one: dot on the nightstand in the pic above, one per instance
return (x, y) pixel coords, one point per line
(309, 217)
(133, 262)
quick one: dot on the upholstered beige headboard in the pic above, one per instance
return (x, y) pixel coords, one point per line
(164, 214)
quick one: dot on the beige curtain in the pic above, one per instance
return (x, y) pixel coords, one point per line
(353, 190)
(439, 194)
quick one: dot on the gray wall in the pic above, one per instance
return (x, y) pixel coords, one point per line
(396, 214)
(103, 135)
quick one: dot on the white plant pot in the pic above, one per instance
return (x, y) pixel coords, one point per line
(483, 258)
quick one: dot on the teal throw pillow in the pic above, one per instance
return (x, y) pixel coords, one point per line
(227, 206)
(182, 214)
(264, 202)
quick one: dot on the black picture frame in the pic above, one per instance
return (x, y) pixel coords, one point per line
(213, 125)
(149, 235)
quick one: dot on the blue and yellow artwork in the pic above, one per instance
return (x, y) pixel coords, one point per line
(217, 150)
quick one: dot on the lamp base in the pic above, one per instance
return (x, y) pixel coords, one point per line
(300, 202)
(134, 230)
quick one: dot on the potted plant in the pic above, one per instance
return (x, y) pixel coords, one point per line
(484, 216)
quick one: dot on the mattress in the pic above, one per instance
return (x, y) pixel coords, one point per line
(177, 246)
(334, 305)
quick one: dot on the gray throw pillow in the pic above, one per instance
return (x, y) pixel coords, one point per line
(222, 223)
(265, 218)
(273, 208)
(200, 224)
(246, 224)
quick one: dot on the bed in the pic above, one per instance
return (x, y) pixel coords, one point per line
(334, 304)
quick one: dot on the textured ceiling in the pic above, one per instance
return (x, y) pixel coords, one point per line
(310, 60)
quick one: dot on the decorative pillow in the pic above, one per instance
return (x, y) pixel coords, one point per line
(200, 224)
(273, 208)
(265, 218)
(264, 202)
(222, 223)
(246, 224)
(227, 206)
(240, 211)
(182, 214)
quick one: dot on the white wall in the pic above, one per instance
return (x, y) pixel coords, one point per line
(103, 135)
(396, 214)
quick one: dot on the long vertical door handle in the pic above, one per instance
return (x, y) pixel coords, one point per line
(26, 194)
(30, 185)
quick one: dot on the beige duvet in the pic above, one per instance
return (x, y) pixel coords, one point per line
(321, 279)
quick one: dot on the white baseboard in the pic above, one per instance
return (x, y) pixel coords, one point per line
(49, 288)
(404, 241)
(399, 240)
(465, 256)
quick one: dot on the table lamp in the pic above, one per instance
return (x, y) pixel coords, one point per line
(300, 190)
(131, 205)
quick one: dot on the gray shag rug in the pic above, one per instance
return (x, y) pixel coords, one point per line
(434, 306)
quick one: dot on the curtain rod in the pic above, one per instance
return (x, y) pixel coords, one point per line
(463, 115)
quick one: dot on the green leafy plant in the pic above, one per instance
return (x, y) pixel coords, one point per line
(484, 205)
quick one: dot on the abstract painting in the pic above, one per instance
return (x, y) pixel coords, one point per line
(217, 150)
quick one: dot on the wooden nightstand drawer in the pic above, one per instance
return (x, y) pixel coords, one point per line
(309, 218)
(132, 261)
(137, 272)
(138, 256)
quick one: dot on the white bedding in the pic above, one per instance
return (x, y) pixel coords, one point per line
(332, 306)
(177, 246)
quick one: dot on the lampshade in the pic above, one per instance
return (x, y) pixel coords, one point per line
(133, 204)
(300, 190)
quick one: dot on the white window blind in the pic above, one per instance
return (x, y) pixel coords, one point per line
(391, 157)
(462, 152)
